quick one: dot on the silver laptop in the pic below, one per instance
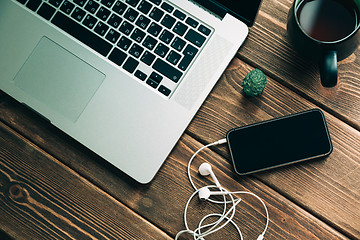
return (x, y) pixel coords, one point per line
(122, 77)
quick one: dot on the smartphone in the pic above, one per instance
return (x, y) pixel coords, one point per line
(278, 142)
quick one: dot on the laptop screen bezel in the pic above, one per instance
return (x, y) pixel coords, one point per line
(244, 10)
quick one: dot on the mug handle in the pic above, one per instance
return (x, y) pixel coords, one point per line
(328, 69)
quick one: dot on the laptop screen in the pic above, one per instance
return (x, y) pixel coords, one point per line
(246, 10)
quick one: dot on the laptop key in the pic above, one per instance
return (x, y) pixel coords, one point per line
(119, 7)
(179, 14)
(124, 43)
(154, 29)
(152, 83)
(145, 7)
(46, 11)
(195, 37)
(167, 70)
(147, 58)
(190, 51)
(101, 28)
(108, 3)
(56, 3)
(156, 14)
(154, 80)
(157, 2)
(178, 44)
(161, 50)
(80, 2)
(131, 15)
(136, 50)
(140, 75)
(138, 35)
(185, 62)
(22, 1)
(142, 22)
(78, 14)
(173, 57)
(81, 33)
(117, 56)
(132, 2)
(33, 4)
(103, 13)
(166, 36)
(156, 77)
(206, 31)
(167, 7)
(67, 7)
(126, 28)
(130, 65)
(164, 90)
(193, 23)
(149, 42)
(114, 20)
(112, 35)
(168, 21)
(180, 28)
(92, 6)
(189, 54)
(89, 21)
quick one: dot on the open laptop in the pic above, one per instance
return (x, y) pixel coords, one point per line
(122, 77)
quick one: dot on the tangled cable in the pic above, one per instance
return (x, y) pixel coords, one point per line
(205, 193)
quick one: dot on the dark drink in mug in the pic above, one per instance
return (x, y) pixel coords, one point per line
(325, 30)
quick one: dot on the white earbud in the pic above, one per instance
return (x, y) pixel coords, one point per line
(205, 193)
(205, 170)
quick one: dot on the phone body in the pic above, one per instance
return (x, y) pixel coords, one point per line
(278, 142)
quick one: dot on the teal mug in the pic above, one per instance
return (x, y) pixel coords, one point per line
(325, 31)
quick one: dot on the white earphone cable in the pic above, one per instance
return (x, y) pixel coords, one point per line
(197, 232)
(196, 153)
(214, 226)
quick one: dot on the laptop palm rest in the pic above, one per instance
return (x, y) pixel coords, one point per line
(58, 79)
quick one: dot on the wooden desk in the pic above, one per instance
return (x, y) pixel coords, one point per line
(53, 188)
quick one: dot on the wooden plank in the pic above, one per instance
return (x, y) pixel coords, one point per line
(287, 221)
(40, 198)
(268, 48)
(328, 188)
(163, 200)
(334, 190)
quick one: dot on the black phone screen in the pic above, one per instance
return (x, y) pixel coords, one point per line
(280, 141)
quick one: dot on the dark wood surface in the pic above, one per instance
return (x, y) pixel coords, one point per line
(51, 187)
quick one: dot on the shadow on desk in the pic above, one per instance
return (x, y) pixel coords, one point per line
(4, 236)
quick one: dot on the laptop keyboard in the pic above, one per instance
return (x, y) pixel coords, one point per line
(151, 39)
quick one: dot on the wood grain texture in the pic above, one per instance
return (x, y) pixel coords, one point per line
(148, 200)
(53, 187)
(328, 188)
(268, 48)
(286, 219)
(43, 199)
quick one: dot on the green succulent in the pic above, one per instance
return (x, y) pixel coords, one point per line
(254, 83)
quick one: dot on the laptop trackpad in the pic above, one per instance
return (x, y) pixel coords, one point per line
(58, 79)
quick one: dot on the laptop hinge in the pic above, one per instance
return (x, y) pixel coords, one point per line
(212, 6)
